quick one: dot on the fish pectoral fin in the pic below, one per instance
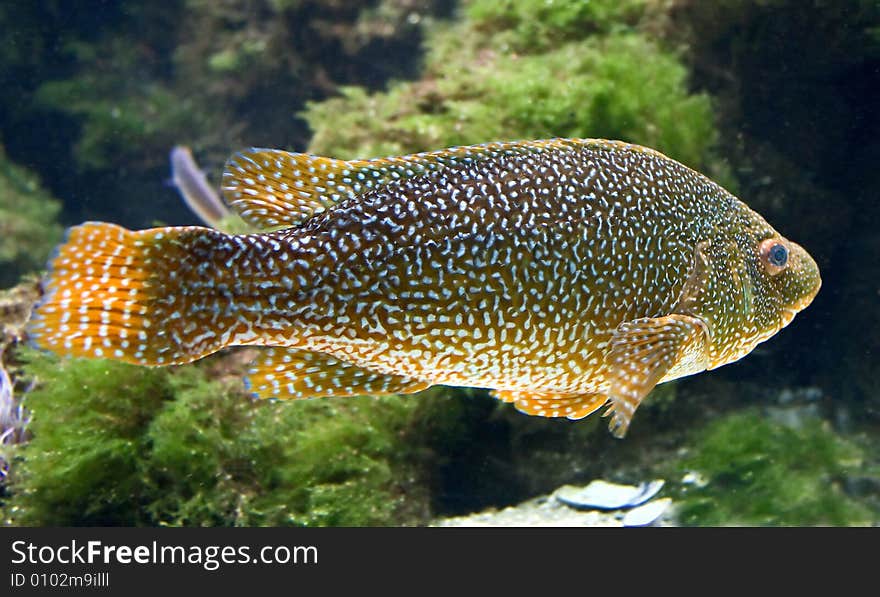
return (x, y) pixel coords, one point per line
(547, 404)
(291, 374)
(642, 352)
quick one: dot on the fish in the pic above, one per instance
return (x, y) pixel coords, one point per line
(194, 188)
(562, 275)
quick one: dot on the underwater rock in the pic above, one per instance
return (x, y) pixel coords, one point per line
(608, 496)
(473, 88)
(552, 511)
(740, 51)
(539, 512)
(800, 395)
(16, 304)
(646, 514)
(212, 74)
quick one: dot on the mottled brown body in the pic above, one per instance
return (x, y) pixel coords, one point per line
(561, 274)
(490, 277)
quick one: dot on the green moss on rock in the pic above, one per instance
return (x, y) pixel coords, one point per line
(600, 82)
(530, 24)
(89, 420)
(761, 472)
(115, 444)
(219, 458)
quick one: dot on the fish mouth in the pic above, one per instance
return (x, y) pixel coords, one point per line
(788, 316)
(805, 302)
(788, 313)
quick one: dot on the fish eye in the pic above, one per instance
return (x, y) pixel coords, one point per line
(778, 255)
(774, 254)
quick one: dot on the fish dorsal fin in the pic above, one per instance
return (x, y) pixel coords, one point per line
(548, 404)
(272, 188)
(643, 352)
(290, 373)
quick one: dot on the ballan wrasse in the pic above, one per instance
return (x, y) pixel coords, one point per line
(561, 274)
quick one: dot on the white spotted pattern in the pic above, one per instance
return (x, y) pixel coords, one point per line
(513, 266)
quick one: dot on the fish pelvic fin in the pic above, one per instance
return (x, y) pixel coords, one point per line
(272, 188)
(643, 352)
(293, 374)
(129, 295)
(548, 404)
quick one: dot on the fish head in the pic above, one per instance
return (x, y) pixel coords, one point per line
(748, 283)
(784, 279)
(758, 280)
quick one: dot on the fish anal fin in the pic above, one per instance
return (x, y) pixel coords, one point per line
(290, 373)
(645, 352)
(548, 404)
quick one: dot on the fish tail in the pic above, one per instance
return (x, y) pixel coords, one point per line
(146, 297)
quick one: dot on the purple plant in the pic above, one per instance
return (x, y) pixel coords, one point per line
(14, 419)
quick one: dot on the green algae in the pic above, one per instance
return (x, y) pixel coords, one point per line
(88, 423)
(599, 81)
(115, 444)
(758, 471)
(122, 126)
(97, 99)
(221, 459)
(529, 24)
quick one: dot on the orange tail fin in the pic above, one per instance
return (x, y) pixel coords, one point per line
(147, 297)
